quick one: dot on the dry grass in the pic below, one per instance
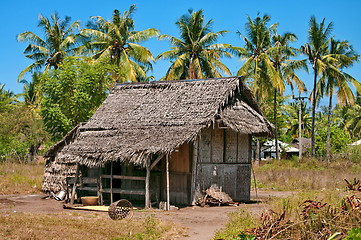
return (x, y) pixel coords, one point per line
(19, 178)
(38, 226)
(316, 210)
(307, 175)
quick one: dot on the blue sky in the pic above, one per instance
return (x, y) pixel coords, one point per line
(292, 16)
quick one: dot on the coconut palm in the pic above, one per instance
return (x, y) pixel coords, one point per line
(196, 54)
(334, 81)
(60, 40)
(267, 63)
(117, 41)
(319, 58)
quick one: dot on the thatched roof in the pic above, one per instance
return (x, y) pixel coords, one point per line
(138, 120)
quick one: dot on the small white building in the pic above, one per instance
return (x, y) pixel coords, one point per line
(269, 149)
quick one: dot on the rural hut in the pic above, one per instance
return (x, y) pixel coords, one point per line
(163, 141)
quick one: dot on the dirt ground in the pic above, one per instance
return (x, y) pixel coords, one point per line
(201, 223)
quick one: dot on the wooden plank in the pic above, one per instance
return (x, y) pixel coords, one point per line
(94, 189)
(217, 145)
(124, 177)
(123, 191)
(205, 146)
(243, 182)
(231, 146)
(243, 148)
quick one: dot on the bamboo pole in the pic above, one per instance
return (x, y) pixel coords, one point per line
(147, 176)
(167, 178)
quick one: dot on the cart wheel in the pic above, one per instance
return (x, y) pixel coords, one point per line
(121, 209)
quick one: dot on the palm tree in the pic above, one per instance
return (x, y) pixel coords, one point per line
(318, 56)
(117, 41)
(267, 62)
(60, 40)
(333, 81)
(196, 54)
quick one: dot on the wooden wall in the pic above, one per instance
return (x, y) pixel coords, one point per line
(180, 174)
(223, 158)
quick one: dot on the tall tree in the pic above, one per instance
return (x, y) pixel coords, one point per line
(334, 80)
(60, 40)
(196, 54)
(318, 56)
(267, 62)
(72, 93)
(117, 41)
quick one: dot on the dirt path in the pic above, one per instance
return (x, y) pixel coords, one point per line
(201, 223)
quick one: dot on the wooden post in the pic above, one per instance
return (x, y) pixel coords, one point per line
(147, 176)
(111, 182)
(167, 178)
(194, 170)
(75, 182)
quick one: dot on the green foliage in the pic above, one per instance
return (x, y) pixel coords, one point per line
(116, 41)
(20, 129)
(72, 93)
(354, 153)
(60, 40)
(238, 221)
(354, 234)
(196, 55)
(339, 140)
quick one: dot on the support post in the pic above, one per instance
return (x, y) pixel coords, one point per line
(75, 182)
(147, 177)
(111, 182)
(167, 178)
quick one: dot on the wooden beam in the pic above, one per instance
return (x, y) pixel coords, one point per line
(157, 160)
(74, 185)
(147, 176)
(124, 177)
(167, 179)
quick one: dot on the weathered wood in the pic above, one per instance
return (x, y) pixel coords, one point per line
(111, 182)
(230, 148)
(124, 177)
(243, 148)
(157, 160)
(217, 144)
(74, 185)
(123, 191)
(194, 170)
(147, 176)
(205, 146)
(167, 179)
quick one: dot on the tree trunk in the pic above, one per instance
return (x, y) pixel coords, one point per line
(313, 150)
(328, 141)
(275, 123)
